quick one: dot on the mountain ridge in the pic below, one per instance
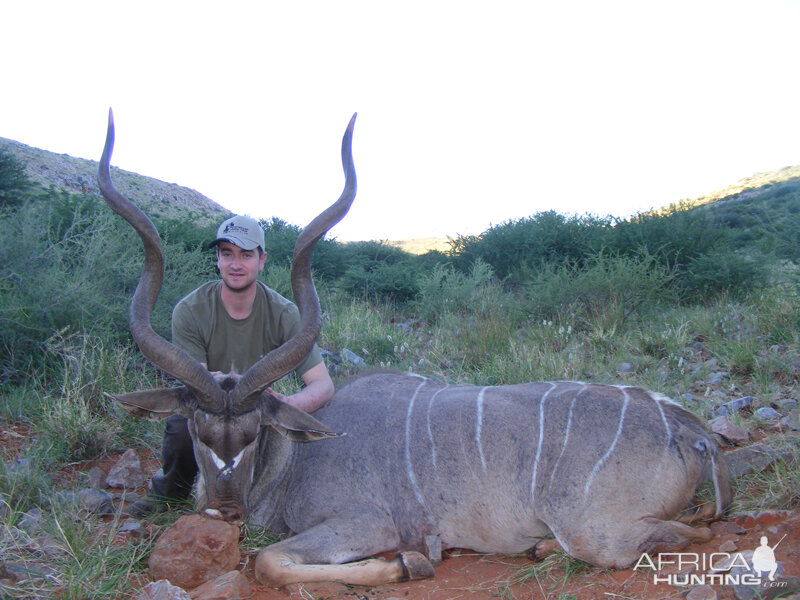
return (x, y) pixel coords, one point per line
(170, 200)
(79, 175)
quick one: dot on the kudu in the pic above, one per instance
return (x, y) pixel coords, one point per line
(602, 469)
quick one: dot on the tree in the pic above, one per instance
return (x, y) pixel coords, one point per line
(13, 181)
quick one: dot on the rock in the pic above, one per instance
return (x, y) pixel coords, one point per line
(127, 472)
(626, 367)
(702, 592)
(31, 521)
(27, 571)
(750, 459)
(163, 590)
(767, 413)
(230, 586)
(792, 420)
(733, 406)
(407, 326)
(717, 378)
(95, 501)
(330, 357)
(353, 358)
(733, 433)
(132, 529)
(788, 405)
(96, 477)
(194, 550)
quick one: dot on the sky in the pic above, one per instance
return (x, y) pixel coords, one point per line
(470, 114)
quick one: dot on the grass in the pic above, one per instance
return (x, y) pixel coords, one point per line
(486, 336)
(552, 574)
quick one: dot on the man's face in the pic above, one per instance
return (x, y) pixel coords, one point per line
(238, 268)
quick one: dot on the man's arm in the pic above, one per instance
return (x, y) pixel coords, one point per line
(317, 391)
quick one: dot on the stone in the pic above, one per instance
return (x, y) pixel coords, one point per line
(767, 413)
(734, 406)
(132, 529)
(95, 501)
(163, 590)
(702, 592)
(717, 378)
(195, 549)
(750, 459)
(792, 420)
(31, 521)
(788, 405)
(230, 586)
(96, 477)
(733, 433)
(127, 472)
(353, 358)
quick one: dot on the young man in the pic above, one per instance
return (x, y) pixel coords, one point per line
(227, 325)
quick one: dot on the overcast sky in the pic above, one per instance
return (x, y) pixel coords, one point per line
(470, 113)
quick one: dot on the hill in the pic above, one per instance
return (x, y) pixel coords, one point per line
(157, 198)
(764, 202)
(761, 211)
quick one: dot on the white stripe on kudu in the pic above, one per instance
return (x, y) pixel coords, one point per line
(566, 434)
(430, 431)
(479, 426)
(541, 436)
(409, 466)
(600, 462)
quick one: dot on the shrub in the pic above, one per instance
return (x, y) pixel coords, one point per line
(674, 236)
(73, 267)
(546, 237)
(13, 181)
(723, 271)
(607, 288)
(446, 290)
(376, 269)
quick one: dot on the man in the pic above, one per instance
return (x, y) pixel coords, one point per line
(227, 325)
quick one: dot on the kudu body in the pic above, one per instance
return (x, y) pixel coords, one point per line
(602, 469)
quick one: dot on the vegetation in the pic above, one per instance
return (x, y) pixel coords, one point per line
(661, 300)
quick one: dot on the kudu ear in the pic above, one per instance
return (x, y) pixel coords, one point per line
(292, 423)
(154, 405)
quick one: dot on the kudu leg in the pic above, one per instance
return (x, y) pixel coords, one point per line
(618, 546)
(307, 558)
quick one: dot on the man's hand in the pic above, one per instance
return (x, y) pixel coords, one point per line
(317, 391)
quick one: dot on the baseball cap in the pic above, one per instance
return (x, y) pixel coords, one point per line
(242, 231)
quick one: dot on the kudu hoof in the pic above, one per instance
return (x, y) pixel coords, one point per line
(415, 566)
(542, 549)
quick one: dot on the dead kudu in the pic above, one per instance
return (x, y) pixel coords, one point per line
(602, 469)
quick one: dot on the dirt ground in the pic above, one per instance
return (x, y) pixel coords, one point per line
(469, 576)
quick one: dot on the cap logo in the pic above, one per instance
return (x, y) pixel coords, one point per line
(234, 228)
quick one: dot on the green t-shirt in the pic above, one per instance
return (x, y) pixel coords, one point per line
(202, 327)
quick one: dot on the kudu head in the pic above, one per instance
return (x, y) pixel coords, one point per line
(225, 413)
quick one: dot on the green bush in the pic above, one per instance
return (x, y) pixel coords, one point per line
(13, 182)
(446, 290)
(723, 271)
(607, 288)
(546, 237)
(73, 267)
(376, 269)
